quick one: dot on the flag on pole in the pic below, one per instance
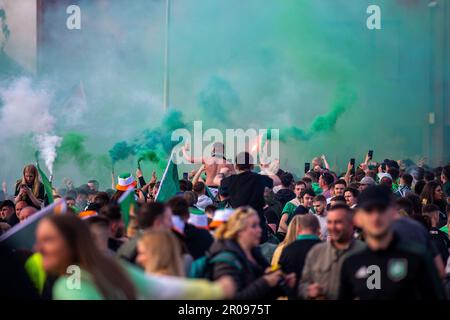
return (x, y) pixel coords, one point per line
(127, 204)
(47, 184)
(22, 235)
(170, 183)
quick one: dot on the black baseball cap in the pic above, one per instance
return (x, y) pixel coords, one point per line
(375, 197)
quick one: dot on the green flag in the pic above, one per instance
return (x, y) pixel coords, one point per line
(127, 204)
(22, 235)
(47, 184)
(170, 183)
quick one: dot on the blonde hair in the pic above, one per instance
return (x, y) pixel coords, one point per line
(165, 251)
(290, 237)
(235, 224)
(32, 169)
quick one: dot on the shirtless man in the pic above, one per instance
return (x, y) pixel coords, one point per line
(213, 165)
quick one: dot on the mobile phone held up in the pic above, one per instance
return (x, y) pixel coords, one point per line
(307, 167)
(352, 163)
(370, 154)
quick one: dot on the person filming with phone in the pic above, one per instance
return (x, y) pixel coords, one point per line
(29, 188)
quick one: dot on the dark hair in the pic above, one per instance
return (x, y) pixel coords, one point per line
(199, 187)
(405, 204)
(180, 207)
(107, 275)
(338, 198)
(314, 176)
(417, 173)
(394, 172)
(308, 192)
(102, 199)
(148, 213)
(82, 191)
(210, 207)
(7, 203)
(185, 185)
(419, 187)
(244, 161)
(224, 191)
(98, 220)
(407, 178)
(340, 206)
(71, 194)
(353, 191)
(424, 220)
(69, 198)
(309, 222)
(428, 208)
(428, 176)
(320, 198)
(95, 183)
(286, 179)
(446, 172)
(190, 197)
(304, 181)
(415, 200)
(327, 178)
(341, 181)
(427, 195)
(111, 212)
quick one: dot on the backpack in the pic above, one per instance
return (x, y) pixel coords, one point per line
(202, 267)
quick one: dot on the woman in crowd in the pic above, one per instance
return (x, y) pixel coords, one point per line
(291, 236)
(432, 193)
(159, 252)
(237, 245)
(68, 251)
(29, 188)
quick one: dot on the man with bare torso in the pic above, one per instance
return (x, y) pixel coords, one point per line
(216, 166)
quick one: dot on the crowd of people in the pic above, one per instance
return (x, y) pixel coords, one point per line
(237, 230)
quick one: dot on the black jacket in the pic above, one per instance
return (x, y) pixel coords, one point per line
(248, 277)
(247, 189)
(293, 257)
(197, 240)
(284, 195)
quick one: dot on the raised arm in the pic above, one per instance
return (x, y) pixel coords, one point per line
(190, 158)
(325, 162)
(198, 174)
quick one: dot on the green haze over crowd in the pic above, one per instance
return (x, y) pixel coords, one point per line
(309, 68)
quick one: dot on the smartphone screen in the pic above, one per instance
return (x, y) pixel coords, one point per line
(352, 162)
(185, 176)
(307, 167)
(370, 154)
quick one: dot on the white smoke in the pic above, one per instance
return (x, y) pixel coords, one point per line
(47, 145)
(26, 110)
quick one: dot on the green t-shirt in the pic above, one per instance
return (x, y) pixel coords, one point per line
(290, 207)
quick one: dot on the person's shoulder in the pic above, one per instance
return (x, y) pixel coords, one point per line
(411, 248)
(359, 254)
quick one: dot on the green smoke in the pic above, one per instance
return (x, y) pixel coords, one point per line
(217, 99)
(73, 149)
(322, 124)
(147, 155)
(151, 144)
(309, 68)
